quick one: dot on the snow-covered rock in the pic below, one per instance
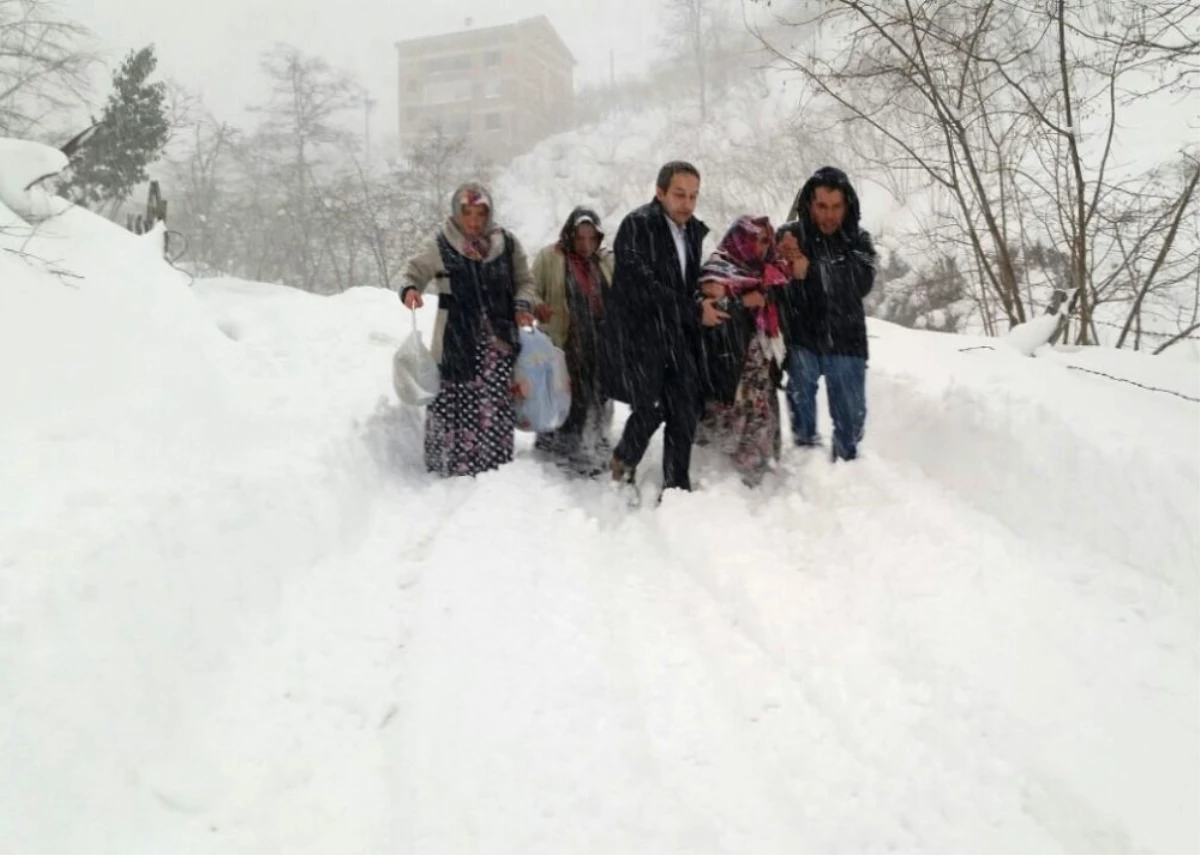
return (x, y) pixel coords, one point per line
(23, 164)
(1026, 338)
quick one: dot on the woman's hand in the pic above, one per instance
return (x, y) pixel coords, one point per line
(710, 315)
(789, 247)
(524, 319)
(800, 266)
(543, 313)
(412, 299)
(754, 299)
(712, 290)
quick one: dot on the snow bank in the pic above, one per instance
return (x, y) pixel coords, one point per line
(1059, 455)
(159, 483)
(22, 165)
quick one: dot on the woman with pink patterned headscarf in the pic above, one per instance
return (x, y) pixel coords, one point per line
(746, 353)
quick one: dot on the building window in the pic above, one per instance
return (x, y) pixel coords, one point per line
(446, 64)
(492, 58)
(493, 121)
(493, 88)
(448, 92)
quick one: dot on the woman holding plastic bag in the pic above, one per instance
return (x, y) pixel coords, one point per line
(485, 294)
(572, 277)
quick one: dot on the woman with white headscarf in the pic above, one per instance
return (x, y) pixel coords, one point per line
(485, 293)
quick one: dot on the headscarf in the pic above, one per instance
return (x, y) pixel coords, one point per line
(737, 267)
(473, 193)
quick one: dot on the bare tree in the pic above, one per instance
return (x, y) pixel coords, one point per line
(44, 65)
(200, 183)
(1009, 110)
(703, 33)
(301, 132)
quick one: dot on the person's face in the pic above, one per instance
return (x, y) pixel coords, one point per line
(789, 247)
(587, 240)
(828, 210)
(679, 199)
(764, 244)
(472, 219)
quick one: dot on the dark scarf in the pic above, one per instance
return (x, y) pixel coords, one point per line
(480, 302)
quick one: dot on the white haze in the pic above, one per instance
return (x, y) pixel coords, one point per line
(213, 48)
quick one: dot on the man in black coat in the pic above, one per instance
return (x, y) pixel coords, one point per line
(652, 329)
(833, 263)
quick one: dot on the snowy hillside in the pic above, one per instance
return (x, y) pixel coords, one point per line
(749, 157)
(235, 615)
(756, 148)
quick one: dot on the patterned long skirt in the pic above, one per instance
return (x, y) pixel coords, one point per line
(469, 427)
(748, 430)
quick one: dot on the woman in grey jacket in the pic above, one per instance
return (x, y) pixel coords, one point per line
(485, 293)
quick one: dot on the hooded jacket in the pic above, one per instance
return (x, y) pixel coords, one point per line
(550, 275)
(823, 313)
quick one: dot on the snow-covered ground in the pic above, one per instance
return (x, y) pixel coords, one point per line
(236, 615)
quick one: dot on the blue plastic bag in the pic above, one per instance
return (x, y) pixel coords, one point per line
(545, 386)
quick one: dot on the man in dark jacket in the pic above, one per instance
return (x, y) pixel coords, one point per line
(833, 263)
(652, 332)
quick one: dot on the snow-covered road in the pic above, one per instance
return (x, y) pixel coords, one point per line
(310, 646)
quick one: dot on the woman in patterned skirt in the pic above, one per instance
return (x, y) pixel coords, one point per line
(745, 354)
(485, 293)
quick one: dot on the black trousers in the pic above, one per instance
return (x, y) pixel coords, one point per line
(678, 406)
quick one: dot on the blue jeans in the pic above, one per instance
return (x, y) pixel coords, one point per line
(846, 385)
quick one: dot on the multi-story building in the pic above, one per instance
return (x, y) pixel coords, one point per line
(503, 88)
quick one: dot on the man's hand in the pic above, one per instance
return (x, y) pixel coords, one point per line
(711, 316)
(754, 299)
(412, 299)
(712, 290)
(543, 313)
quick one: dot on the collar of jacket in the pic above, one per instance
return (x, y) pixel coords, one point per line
(458, 242)
(694, 228)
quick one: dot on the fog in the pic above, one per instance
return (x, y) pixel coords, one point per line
(213, 48)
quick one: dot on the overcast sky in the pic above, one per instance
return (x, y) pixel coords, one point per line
(213, 46)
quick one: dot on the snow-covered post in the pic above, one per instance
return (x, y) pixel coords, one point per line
(1026, 338)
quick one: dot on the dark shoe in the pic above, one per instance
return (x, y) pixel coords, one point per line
(621, 473)
(624, 481)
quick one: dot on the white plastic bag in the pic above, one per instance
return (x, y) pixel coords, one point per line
(415, 373)
(541, 374)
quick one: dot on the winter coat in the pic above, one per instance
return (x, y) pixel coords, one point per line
(725, 348)
(652, 316)
(550, 279)
(427, 268)
(823, 313)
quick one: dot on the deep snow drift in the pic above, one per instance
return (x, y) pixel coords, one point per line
(236, 615)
